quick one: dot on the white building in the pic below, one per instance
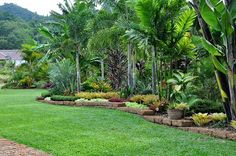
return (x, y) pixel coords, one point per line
(12, 55)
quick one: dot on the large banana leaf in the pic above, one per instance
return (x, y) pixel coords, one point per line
(208, 14)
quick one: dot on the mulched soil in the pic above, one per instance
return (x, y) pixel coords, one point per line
(9, 148)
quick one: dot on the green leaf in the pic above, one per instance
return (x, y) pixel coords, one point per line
(185, 21)
(226, 23)
(218, 65)
(172, 81)
(208, 15)
(232, 9)
(211, 48)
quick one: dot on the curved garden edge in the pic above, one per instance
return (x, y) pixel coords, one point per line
(149, 115)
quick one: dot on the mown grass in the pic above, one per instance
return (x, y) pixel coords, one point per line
(71, 131)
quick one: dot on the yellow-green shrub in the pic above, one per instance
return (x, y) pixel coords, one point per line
(137, 98)
(182, 106)
(216, 117)
(144, 99)
(96, 95)
(149, 99)
(201, 119)
(233, 124)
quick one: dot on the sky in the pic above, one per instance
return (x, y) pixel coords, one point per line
(42, 7)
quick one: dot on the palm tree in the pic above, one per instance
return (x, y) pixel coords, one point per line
(157, 24)
(74, 18)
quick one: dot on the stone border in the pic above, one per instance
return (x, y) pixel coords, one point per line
(149, 115)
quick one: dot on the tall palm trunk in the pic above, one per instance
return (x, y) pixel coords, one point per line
(130, 76)
(154, 70)
(78, 70)
(102, 70)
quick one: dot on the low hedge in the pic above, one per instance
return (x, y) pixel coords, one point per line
(46, 94)
(64, 98)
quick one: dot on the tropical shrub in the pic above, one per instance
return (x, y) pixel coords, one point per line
(218, 117)
(63, 76)
(137, 99)
(206, 106)
(135, 105)
(180, 106)
(233, 124)
(201, 119)
(182, 84)
(46, 94)
(95, 95)
(96, 86)
(149, 99)
(126, 92)
(159, 106)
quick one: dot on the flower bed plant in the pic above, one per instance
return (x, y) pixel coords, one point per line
(96, 95)
(203, 119)
(63, 98)
(135, 105)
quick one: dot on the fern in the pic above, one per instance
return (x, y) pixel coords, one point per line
(185, 22)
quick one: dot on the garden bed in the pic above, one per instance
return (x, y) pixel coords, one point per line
(183, 124)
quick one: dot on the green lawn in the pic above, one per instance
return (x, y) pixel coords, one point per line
(73, 131)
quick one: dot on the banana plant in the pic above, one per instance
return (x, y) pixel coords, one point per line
(218, 17)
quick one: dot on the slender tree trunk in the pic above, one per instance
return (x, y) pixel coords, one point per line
(78, 70)
(133, 71)
(130, 77)
(154, 70)
(102, 70)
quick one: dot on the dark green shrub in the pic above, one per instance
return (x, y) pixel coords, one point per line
(207, 106)
(46, 94)
(147, 92)
(64, 98)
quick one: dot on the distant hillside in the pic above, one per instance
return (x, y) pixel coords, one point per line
(18, 26)
(20, 12)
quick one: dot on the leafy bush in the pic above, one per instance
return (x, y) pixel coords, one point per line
(63, 76)
(96, 86)
(63, 98)
(149, 99)
(206, 106)
(137, 99)
(46, 94)
(126, 92)
(93, 95)
(182, 106)
(159, 106)
(201, 119)
(233, 124)
(135, 105)
(218, 117)
(144, 99)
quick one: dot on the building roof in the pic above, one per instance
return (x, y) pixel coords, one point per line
(10, 55)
